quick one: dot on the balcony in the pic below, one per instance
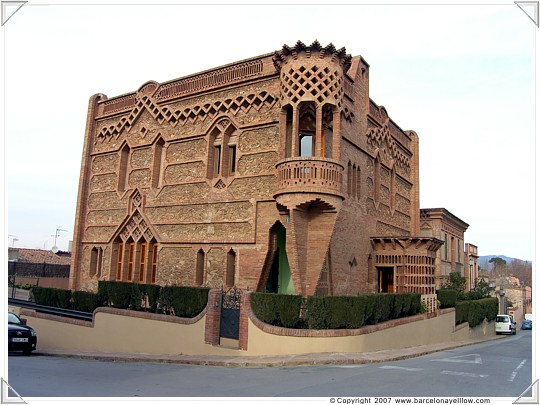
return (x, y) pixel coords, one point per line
(309, 175)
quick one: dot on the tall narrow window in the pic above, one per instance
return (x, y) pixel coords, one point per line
(445, 246)
(358, 183)
(123, 172)
(99, 262)
(231, 268)
(142, 262)
(154, 263)
(349, 179)
(217, 159)
(158, 159)
(199, 271)
(377, 179)
(393, 189)
(119, 261)
(131, 261)
(93, 261)
(232, 159)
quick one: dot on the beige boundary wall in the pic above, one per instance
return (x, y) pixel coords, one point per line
(123, 331)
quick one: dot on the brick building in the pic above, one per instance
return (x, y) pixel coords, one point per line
(451, 257)
(276, 173)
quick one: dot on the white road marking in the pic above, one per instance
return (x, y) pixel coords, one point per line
(460, 359)
(464, 374)
(514, 373)
(401, 368)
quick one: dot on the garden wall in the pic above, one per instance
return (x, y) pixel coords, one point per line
(125, 331)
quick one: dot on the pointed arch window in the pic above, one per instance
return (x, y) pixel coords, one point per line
(231, 268)
(393, 188)
(199, 271)
(123, 172)
(377, 178)
(158, 162)
(222, 151)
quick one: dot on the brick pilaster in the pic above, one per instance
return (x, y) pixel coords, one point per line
(213, 317)
(245, 309)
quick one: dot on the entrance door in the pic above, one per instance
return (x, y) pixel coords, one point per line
(230, 314)
(386, 279)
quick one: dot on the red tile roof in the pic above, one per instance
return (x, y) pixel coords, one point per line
(44, 256)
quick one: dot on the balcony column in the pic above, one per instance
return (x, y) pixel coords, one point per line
(336, 135)
(319, 136)
(282, 152)
(295, 128)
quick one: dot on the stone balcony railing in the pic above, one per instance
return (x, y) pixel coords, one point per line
(309, 175)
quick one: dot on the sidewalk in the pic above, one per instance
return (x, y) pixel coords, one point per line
(310, 359)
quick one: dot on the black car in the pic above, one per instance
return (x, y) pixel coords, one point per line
(21, 338)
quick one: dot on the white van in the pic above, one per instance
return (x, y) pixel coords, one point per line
(505, 324)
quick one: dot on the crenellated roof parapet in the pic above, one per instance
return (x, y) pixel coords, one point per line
(315, 50)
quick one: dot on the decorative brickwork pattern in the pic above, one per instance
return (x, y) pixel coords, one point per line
(186, 116)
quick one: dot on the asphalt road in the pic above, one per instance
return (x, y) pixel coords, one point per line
(499, 368)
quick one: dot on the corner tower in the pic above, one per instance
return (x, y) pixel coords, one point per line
(310, 174)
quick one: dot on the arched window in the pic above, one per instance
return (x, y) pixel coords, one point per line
(222, 157)
(377, 178)
(199, 270)
(231, 268)
(306, 134)
(96, 259)
(123, 172)
(158, 161)
(393, 188)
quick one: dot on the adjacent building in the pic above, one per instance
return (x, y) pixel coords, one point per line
(276, 173)
(451, 257)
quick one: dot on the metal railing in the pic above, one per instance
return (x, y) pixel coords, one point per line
(67, 313)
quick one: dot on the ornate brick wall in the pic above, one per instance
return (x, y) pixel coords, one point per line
(184, 181)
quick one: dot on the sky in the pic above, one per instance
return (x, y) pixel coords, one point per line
(461, 76)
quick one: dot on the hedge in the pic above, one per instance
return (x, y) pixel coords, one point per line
(277, 309)
(474, 312)
(185, 302)
(52, 297)
(180, 301)
(447, 297)
(336, 312)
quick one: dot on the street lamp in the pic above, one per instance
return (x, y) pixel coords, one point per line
(502, 294)
(470, 275)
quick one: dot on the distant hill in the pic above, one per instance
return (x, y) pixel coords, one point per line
(483, 261)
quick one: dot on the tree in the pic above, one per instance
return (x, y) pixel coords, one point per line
(499, 266)
(482, 290)
(456, 282)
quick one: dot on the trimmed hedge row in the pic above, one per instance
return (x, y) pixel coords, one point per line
(277, 309)
(447, 297)
(180, 301)
(338, 312)
(52, 297)
(474, 312)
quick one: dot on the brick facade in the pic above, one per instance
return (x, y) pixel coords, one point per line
(279, 167)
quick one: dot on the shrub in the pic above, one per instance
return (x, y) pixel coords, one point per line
(120, 294)
(357, 311)
(52, 297)
(447, 297)
(277, 309)
(186, 302)
(85, 301)
(475, 311)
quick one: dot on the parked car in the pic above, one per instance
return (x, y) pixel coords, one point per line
(505, 324)
(21, 338)
(526, 324)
